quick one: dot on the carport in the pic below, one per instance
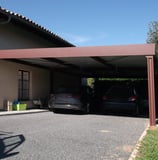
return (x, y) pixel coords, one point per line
(104, 61)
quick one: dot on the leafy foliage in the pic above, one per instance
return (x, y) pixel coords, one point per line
(152, 35)
(153, 32)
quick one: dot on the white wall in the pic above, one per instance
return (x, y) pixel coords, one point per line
(39, 82)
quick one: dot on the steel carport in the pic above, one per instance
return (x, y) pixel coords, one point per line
(143, 50)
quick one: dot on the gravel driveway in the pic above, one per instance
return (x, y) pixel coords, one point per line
(49, 136)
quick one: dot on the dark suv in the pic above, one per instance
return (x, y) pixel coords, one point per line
(120, 98)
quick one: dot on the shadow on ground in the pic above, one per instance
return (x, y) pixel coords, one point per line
(8, 143)
(111, 113)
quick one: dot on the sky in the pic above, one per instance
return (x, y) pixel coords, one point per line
(90, 22)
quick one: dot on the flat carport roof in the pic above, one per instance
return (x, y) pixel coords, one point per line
(108, 57)
(99, 51)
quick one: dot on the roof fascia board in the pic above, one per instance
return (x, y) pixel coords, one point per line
(99, 51)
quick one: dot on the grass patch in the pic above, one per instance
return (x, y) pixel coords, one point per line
(149, 146)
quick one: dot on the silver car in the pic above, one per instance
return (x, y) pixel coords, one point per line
(70, 99)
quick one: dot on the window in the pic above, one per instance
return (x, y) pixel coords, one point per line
(24, 85)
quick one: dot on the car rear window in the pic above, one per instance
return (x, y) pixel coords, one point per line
(120, 92)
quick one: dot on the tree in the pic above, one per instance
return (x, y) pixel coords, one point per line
(152, 37)
(153, 32)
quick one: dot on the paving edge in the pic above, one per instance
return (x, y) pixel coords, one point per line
(23, 112)
(137, 146)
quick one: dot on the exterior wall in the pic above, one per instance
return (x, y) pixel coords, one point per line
(39, 82)
(14, 37)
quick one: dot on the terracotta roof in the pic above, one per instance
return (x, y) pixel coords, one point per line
(27, 22)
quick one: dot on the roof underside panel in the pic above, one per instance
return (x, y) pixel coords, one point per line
(82, 62)
(127, 61)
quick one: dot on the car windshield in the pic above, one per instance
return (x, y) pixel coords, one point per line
(66, 90)
(82, 90)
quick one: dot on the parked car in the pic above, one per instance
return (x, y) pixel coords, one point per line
(120, 98)
(71, 99)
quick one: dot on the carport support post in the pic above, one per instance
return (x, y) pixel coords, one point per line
(151, 90)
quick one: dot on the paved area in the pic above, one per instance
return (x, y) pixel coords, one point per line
(6, 113)
(50, 136)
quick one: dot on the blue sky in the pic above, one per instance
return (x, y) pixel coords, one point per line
(90, 22)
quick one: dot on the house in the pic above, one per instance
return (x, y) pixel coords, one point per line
(23, 79)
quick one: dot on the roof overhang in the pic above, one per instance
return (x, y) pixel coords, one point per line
(124, 50)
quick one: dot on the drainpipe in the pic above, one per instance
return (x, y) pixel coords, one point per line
(151, 90)
(5, 21)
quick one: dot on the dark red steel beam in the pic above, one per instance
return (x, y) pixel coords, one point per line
(151, 90)
(122, 50)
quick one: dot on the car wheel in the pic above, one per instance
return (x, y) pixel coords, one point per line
(54, 110)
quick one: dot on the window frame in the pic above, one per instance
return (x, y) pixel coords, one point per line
(23, 85)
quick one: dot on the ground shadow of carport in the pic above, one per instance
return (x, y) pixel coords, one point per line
(8, 143)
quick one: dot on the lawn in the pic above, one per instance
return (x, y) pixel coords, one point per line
(149, 146)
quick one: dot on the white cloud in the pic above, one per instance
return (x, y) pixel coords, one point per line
(81, 40)
(76, 38)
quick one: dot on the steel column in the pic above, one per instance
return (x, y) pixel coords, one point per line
(151, 90)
